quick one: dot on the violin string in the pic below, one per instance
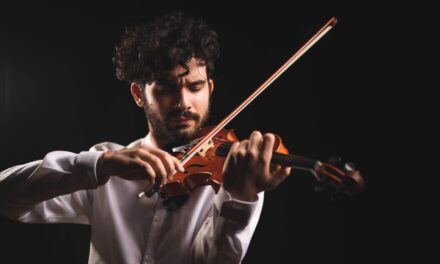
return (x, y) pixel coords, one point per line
(279, 156)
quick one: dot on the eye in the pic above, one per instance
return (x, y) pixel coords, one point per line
(196, 88)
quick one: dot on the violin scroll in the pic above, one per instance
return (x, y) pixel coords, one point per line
(346, 179)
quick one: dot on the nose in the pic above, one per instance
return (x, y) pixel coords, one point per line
(184, 98)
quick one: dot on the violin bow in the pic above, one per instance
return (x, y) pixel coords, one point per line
(200, 145)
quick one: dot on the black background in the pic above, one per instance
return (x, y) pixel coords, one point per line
(363, 92)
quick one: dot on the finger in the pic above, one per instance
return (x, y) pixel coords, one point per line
(169, 163)
(172, 164)
(169, 166)
(282, 172)
(234, 147)
(175, 164)
(157, 177)
(267, 148)
(147, 169)
(178, 165)
(164, 156)
(255, 141)
(156, 163)
(242, 150)
(274, 169)
(274, 179)
(231, 154)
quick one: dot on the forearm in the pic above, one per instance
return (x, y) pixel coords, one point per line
(60, 172)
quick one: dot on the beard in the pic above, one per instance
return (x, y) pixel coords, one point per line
(169, 136)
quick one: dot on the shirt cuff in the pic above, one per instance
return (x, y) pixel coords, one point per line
(86, 161)
(237, 210)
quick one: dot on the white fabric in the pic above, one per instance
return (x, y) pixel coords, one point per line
(63, 188)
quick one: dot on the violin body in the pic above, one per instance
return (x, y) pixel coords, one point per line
(206, 167)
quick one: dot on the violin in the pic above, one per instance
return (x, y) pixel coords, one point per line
(203, 158)
(205, 168)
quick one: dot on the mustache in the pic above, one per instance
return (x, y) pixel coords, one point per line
(182, 113)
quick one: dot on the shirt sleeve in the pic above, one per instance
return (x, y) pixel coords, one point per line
(226, 234)
(51, 189)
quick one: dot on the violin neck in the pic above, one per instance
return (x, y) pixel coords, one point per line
(287, 160)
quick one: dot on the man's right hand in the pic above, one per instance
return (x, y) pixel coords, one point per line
(142, 162)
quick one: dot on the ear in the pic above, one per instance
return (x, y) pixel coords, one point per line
(211, 86)
(136, 92)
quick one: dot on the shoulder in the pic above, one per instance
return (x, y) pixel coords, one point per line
(136, 143)
(107, 145)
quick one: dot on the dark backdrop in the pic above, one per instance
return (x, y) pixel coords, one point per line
(357, 93)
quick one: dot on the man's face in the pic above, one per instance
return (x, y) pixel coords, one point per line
(178, 106)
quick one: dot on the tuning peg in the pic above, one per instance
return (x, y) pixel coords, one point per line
(350, 166)
(335, 160)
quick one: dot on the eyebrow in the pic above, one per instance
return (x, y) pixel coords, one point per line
(194, 83)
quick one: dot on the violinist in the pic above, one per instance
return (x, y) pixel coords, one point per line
(168, 65)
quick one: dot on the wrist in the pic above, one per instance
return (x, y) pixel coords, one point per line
(244, 195)
(101, 173)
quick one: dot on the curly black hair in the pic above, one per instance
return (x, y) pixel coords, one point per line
(147, 52)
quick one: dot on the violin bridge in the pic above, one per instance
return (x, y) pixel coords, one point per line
(209, 145)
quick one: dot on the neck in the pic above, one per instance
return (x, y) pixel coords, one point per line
(163, 144)
(157, 142)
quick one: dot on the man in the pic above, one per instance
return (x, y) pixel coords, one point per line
(168, 64)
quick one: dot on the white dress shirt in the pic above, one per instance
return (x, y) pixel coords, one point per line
(63, 188)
